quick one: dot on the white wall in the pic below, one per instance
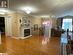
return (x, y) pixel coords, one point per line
(37, 20)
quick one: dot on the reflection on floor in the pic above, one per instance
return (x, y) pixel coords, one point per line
(35, 45)
(64, 42)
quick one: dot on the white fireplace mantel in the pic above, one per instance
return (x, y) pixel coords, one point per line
(25, 24)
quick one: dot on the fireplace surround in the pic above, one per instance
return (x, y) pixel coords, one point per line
(25, 27)
(26, 32)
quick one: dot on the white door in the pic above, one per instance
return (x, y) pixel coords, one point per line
(8, 26)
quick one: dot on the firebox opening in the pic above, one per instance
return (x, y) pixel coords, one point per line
(26, 32)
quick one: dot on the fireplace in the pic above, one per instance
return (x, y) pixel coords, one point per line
(25, 28)
(26, 32)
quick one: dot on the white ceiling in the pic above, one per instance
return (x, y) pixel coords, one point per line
(45, 7)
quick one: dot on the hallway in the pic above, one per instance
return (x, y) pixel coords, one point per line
(35, 45)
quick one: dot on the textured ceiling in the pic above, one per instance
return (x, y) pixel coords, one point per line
(54, 7)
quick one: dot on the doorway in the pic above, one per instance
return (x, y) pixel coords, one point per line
(2, 25)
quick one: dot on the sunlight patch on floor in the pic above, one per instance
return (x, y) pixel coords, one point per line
(45, 41)
(3, 53)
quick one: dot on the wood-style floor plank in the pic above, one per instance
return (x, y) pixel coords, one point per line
(35, 45)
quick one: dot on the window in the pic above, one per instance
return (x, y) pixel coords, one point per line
(67, 24)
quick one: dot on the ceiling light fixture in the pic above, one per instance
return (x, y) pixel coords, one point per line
(3, 11)
(28, 9)
(52, 16)
(45, 16)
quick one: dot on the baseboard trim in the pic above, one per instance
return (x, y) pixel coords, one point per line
(21, 37)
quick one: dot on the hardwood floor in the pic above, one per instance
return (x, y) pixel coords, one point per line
(3, 44)
(35, 45)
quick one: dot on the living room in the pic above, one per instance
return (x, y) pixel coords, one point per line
(34, 25)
